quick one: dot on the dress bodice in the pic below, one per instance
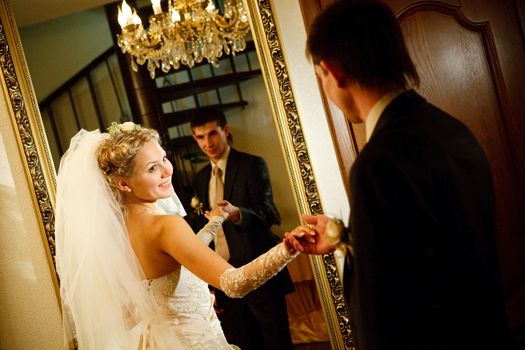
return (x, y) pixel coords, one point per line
(181, 293)
(187, 302)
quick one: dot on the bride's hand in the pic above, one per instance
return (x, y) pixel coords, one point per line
(292, 240)
(317, 242)
(218, 211)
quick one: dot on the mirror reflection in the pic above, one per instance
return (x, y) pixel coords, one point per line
(79, 83)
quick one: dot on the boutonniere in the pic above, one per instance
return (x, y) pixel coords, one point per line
(197, 205)
(335, 234)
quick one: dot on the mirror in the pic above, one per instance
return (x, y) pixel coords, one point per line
(282, 113)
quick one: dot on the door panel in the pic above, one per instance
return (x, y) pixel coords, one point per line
(461, 66)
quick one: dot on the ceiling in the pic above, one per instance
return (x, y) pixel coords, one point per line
(29, 12)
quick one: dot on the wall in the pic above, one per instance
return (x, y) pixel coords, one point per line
(255, 132)
(57, 49)
(30, 315)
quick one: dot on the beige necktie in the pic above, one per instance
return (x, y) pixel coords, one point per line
(221, 246)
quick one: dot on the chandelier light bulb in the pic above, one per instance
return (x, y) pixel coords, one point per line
(124, 14)
(175, 16)
(135, 19)
(157, 9)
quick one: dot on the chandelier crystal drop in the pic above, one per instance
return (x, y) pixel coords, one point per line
(185, 34)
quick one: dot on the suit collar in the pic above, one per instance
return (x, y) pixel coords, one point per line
(202, 186)
(377, 110)
(397, 109)
(221, 163)
(232, 166)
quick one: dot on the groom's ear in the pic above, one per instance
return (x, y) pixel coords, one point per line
(333, 70)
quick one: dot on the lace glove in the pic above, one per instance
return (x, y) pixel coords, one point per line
(208, 232)
(237, 282)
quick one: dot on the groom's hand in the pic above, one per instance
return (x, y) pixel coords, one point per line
(292, 240)
(307, 241)
(233, 211)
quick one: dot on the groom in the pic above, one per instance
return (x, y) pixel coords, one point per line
(423, 264)
(240, 184)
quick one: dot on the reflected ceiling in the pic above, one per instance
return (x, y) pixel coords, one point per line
(29, 12)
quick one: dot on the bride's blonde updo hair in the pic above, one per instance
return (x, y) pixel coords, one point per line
(116, 154)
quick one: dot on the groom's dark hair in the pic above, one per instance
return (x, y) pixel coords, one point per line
(364, 40)
(205, 115)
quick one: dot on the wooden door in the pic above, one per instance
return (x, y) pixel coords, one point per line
(471, 62)
(470, 55)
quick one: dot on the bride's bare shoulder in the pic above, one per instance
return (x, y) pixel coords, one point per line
(172, 223)
(171, 219)
(173, 233)
(155, 224)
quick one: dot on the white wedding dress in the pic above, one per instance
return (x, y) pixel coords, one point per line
(186, 302)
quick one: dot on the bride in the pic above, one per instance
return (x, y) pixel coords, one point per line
(131, 275)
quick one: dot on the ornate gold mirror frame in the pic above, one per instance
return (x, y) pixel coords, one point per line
(287, 121)
(40, 173)
(27, 126)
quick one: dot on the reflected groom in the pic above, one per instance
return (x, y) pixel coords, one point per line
(240, 184)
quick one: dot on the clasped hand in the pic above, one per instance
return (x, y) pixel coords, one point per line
(309, 238)
(232, 212)
(217, 211)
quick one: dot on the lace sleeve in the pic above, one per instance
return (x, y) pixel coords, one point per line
(237, 282)
(208, 232)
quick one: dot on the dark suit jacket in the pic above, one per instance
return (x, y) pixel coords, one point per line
(247, 185)
(424, 273)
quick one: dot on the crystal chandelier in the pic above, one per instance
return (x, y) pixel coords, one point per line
(187, 32)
